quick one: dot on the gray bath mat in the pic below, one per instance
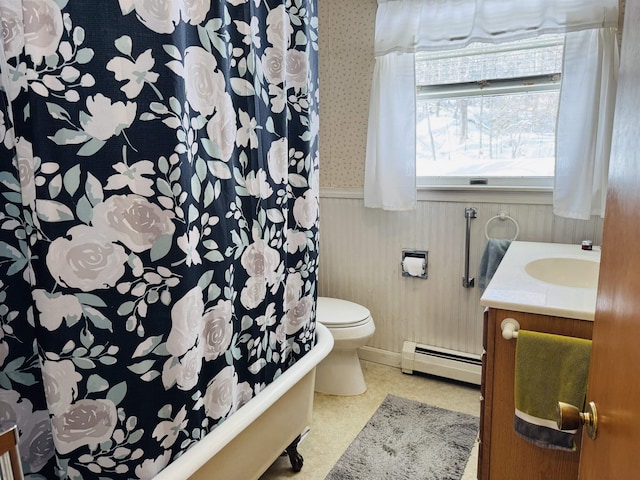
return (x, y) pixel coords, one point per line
(409, 440)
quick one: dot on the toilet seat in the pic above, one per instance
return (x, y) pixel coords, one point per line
(336, 313)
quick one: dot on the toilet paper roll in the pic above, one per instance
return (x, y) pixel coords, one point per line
(414, 266)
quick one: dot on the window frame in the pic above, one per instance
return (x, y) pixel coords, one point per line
(513, 85)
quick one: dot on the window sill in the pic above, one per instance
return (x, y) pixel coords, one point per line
(486, 193)
(462, 193)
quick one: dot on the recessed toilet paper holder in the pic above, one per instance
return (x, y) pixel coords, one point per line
(410, 255)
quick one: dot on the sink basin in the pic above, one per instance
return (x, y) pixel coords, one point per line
(564, 271)
(556, 279)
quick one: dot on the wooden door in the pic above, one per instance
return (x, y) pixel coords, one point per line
(614, 381)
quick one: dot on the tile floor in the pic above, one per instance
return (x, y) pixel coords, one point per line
(337, 420)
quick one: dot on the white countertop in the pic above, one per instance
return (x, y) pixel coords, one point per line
(511, 288)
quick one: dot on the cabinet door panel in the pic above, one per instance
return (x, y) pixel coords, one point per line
(510, 456)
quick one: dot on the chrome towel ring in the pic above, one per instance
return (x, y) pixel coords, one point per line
(502, 216)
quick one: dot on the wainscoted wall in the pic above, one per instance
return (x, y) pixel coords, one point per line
(360, 254)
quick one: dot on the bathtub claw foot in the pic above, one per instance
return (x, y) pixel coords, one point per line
(294, 456)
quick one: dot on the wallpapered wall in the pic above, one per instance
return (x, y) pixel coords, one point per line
(346, 67)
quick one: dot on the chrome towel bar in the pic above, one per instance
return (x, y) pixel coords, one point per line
(469, 213)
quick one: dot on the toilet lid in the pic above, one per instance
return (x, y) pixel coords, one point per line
(334, 312)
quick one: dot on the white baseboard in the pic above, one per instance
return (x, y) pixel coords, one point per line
(466, 373)
(377, 355)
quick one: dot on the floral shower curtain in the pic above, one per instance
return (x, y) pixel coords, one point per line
(158, 221)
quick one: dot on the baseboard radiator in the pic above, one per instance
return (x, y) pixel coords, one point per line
(464, 367)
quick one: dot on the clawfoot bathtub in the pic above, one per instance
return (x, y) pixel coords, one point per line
(249, 441)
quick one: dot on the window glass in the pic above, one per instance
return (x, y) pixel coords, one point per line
(489, 111)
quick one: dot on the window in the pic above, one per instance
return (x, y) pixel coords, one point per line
(487, 113)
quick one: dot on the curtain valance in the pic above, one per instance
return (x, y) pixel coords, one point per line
(414, 25)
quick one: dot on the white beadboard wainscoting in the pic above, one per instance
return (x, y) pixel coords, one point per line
(361, 251)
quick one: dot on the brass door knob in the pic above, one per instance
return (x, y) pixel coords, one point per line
(570, 418)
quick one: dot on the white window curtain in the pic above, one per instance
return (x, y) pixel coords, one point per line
(585, 121)
(404, 27)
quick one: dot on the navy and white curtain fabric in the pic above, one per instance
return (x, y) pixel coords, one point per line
(158, 221)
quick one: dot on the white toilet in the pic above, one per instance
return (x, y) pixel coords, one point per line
(351, 326)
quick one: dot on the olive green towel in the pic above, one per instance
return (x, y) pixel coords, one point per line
(549, 369)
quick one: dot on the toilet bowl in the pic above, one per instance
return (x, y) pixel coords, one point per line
(351, 326)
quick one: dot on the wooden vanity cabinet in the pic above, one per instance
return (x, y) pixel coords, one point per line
(502, 454)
